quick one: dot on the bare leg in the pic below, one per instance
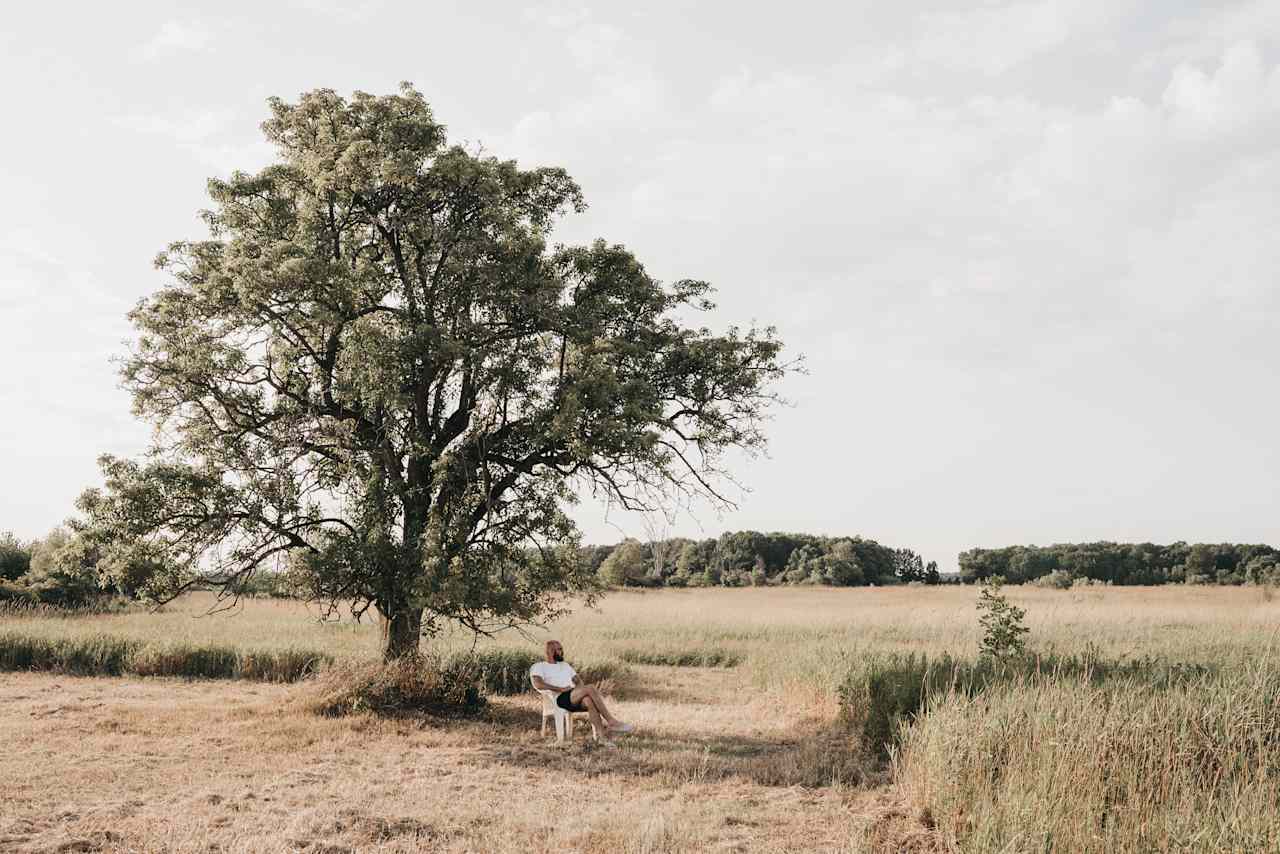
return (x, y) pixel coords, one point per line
(597, 721)
(588, 695)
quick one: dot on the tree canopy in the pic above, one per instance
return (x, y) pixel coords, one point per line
(1127, 563)
(377, 369)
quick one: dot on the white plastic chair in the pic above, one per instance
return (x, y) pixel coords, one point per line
(563, 720)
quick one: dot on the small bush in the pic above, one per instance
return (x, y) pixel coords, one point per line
(1055, 580)
(1001, 622)
(191, 662)
(700, 657)
(408, 685)
(500, 670)
(280, 665)
(1084, 581)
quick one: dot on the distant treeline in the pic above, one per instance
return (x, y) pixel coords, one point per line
(746, 558)
(65, 568)
(1126, 563)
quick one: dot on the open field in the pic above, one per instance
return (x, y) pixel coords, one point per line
(735, 758)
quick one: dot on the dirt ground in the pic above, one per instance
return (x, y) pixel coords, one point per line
(101, 764)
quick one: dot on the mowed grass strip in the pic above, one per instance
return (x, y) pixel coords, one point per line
(107, 655)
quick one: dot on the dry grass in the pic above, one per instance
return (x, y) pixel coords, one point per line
(1070, 766)
(738, 758)
(159, 765)
(798, 638)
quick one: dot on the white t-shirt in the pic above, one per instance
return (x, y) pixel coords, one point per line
(558, 674)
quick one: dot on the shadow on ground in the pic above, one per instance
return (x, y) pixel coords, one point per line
(817, 757)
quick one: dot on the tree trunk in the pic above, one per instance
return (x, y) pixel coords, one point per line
(401, 630)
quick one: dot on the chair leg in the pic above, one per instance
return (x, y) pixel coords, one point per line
(544, 726)
(561, 726)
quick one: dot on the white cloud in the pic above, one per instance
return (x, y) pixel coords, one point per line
(218, 139)
(343, 10)
(68, 323)
(1203, 33)
(979, 39)
(175, 37)
(1233, 98)
(611, 90)
(187, 127)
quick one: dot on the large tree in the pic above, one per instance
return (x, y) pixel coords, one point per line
(376, 367)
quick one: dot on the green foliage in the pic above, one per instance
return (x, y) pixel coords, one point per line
(696, 657)
(410, 684)
(1001, 621)
(625, 565)
(15, 557)
(62, 571)
(377, 365)
(751, 558)
(1055, 580)
(1125, 563)
(72, 567)
(104, 655)
(270, 584)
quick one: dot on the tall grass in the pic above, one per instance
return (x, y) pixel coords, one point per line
(494, 670)
(697, 656)
(1075, 766)
(882, 693)
(106, 655)
(797, 641)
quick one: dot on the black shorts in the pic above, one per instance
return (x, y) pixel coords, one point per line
(565, 701)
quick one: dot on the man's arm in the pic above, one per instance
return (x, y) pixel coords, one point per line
(541, 685)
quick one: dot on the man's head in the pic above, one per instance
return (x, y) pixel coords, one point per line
(555, 652)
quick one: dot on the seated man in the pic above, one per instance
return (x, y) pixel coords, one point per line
(556, 675)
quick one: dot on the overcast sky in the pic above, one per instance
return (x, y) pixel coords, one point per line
(1027, 250)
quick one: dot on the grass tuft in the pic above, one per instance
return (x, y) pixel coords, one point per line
(412, 684)
(693, 657)
(106, 655)
(500, 670)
